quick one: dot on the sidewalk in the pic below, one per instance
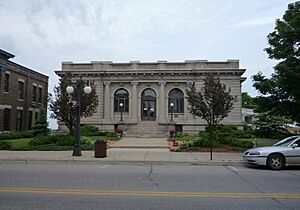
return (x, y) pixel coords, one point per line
(126, 155)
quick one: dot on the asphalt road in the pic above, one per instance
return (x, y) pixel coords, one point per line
(95, 186)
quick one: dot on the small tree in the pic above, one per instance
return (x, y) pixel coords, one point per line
(212, 103)
(63, 106)
(40, 126)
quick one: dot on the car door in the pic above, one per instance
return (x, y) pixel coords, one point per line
(293, 153)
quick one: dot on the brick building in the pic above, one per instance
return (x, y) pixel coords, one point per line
(22, 93)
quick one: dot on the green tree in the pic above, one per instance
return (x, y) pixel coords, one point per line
(281, 92)
(40, 126)
(63, 105)
(268, 122)
(248, 101)
(212, 102)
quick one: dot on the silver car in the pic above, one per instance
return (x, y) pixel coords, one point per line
(284, 152)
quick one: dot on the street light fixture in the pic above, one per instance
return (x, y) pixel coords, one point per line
(70, 90)
(172, 107)
(121, 109)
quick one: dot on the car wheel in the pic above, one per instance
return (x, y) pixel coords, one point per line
(276, 162)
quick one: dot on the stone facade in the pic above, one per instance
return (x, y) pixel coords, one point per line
(18, 85)
(151, 88)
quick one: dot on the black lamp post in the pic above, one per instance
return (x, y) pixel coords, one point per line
(70, 90)
(121, 109)
(172, 107)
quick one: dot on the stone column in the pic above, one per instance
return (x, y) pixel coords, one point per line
(162, 102)
(107, 100)
(133, 104)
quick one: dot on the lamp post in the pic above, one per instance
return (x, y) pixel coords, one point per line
(171, 106)
(121, 108)
(70, 90)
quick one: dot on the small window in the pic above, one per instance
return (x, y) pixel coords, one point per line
(121, 96)
(19, 120)
(21, 90)
(40, 95)
(34, 93)
(6, 82)
(6, 120)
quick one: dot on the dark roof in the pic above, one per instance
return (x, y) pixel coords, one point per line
(6, 55)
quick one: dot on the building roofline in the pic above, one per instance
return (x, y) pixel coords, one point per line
(5, 54)
(149, 62)
(30, 70)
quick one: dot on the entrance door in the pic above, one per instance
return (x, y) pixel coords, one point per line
(148, 105)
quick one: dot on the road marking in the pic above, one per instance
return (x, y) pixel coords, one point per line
(104, 166)
(150, 193)
(233, 168)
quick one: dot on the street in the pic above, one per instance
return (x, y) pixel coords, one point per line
(114, 186)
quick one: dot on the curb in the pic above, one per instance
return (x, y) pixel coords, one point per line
(137, 162)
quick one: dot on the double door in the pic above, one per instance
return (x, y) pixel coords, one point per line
(149, 110)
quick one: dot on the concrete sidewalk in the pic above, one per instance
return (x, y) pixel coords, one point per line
(142, 143)
(126, 155)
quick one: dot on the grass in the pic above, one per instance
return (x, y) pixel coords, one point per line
(23, 144)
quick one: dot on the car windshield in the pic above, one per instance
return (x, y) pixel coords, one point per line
(286, 142)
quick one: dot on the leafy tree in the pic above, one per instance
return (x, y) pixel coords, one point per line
(40, 126)
(248, 101)
(281, 92)
(212, 102)
(63, 106)
(268, 122)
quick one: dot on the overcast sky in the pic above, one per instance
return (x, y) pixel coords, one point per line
(43, 33)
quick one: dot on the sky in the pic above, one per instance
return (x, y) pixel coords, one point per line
(43, 33)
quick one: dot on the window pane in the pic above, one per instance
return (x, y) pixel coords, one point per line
(6, 82)
(21, 90)
(6, 119)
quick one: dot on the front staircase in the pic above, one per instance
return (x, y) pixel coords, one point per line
(147, 129)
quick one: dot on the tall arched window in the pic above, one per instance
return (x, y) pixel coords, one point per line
(177, 98)
(121, 96)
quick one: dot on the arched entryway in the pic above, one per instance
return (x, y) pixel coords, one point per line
(148, 105)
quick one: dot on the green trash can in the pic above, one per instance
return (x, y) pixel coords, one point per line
(100, 149)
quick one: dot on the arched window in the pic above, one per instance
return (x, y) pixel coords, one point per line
(121, 96)
(177, 98)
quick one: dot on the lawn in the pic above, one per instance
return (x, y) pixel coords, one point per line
(23, 144)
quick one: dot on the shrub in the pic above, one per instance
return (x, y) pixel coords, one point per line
(89, 130)
(271, 134)
(111, 134)
(103, 133)
(5, 145)
(64, 140)
(242, 144)
(15, 135)
(199, 142)
(41, 140)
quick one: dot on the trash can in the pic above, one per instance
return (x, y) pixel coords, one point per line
(100, 149)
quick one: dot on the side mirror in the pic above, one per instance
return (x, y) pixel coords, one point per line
(295, 145)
